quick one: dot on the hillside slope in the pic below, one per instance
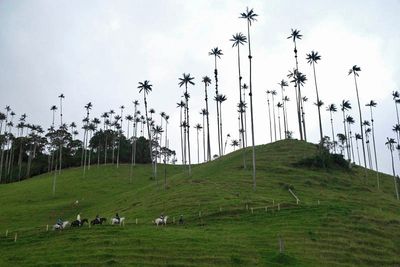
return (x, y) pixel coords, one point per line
(341, 219)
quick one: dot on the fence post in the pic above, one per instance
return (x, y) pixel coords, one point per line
(266, 209)
(199, 213)
(318, 201)
(251, 210)
(136, 221)
(47, 228)
(279, 206)
(15, 237)
(273, 202)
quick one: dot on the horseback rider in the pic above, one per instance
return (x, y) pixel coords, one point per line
(117, 217)
(181, 220)
(78, 218)
(60, 222)
(162, 217)
(97, 218)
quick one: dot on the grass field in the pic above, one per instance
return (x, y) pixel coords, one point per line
(342, 218)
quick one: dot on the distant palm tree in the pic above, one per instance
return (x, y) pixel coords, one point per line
(162, 115)
(203, 112)
(181, 105)
(220, 99)
(332, 108)
(279, 106)
(371, 105)
(198, 128)
(207, 81)
(367, 133)
(354, 70)
(88, 107)
(216, 52)
(299, 80)
(250, 17)
(358, 137)
(273, 93)
(350, 121)
(345, 106)
(269, 115)
(235, 144)
(53, 109)
(157, 130)
(390, 144)
(342, 139)
(313, 58)
(239, 39)
(185, 81)
(287, 131)
(244, 88)
(146, 88)
(284, 84)
(295, 35)
(396, 96)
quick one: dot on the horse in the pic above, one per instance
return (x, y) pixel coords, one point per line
(100, 221)
(161, 221)
(58, 227)
(76, 223)
(115, 220)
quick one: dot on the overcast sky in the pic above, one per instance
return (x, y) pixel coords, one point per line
(97, 51)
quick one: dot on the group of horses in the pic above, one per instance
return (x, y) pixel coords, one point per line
(76, 223)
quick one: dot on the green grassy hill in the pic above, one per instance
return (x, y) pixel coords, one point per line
(342, 218)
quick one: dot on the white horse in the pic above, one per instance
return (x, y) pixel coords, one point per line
(115, 220)
(58, 227)
(159, 221)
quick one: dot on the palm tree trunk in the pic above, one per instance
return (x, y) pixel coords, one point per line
(148, 129)
(333, 132)
(361, 126)
(204, 141)
(373, 141)
(251, 111)
(279, 124)
(241, 113)
(245, 120)
(358, 153)
(20, 161)
(180, 125)
(273, 114)
(188, 132)
(208, 127)
(270, 121)
(105, 149)
(220, 125)
(319, 107)
(284, 114)
(345, 133)
(394, 174)
(216, 94)
(198, 153)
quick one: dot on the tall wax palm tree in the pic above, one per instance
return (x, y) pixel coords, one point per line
(396, 129)
(239, 39)
(105, 122)
(203, 112)
(61, 123)
(96, 122)
(269, 115)
(136, 120)
(250, 17)
(198, 128)
(129, 119)
(244, 88)
(207, 81)
(88, 107)
(354, 70)
(220, 99)
(216, 52)
(312, 59)
(181, 105)
(372, 104)
(396, 96)
(285, 100)
(226, 141)
(235, 144)
(53, 109)
(273, 93)
(345, 106)
(358, 137)
(157, 130)
(350, 121)
(295, 35)
(342, 139)
(146, 88)
(284, 84)
(299, 80)
(332, 108)
(390, 144)
(279, 106)
(162, 115)
(185, 80)
(367, 134)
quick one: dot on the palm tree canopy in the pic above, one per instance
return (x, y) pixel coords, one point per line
(366, 123)
(320, 103)
(371, 103)
(390, 142)
(355, 69)
(61, 96)
(206, 80)
(313, 57)
(180, 104)
(298, 78)
(249, 15)
(331, 108)
(345, 105)
(198, 126)
(350, 119)
(295, 34)
(129, 117)
(395, 94)
(238, 39)
(215, 52)
(53, 108)
(145, 86)
(283, 83)
(135, 102)
(358, 136)
(186, 79)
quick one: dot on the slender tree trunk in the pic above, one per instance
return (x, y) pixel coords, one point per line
(319, 108)
(148, 129)
(220, 126)
(279, 124)
(204, 141)
(270, 121)
(345, 133)
(333, 132)
(198, 152)
(361, 126)
(273, 114)
(358, 153)
(180, 126)
(251, 111)
(188, 132)
(105, 149)
(208, 126)
(241, 113)
(216, 95)
(394, 174)
(373, 141)
(284, 113)
(298, 94)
